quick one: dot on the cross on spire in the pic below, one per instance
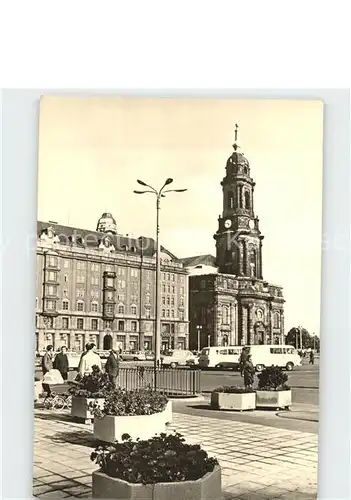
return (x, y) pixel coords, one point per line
(235, 146)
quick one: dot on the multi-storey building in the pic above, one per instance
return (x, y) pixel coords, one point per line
(100, 286)
(229, 301)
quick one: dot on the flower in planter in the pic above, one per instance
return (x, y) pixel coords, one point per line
(161, 459)
(95, 385)
(234, 389)
(273, 378)
(120, 402)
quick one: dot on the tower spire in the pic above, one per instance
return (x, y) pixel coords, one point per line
(235, 145)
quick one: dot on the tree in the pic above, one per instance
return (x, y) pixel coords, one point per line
(308, 341)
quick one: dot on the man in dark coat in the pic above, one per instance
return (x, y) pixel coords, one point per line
(242, 360)
(61, 363)
(46, 366)
(112, 366)
(311, 358)
(249, 372)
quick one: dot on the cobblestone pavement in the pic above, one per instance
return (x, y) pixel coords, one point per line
(258, 462)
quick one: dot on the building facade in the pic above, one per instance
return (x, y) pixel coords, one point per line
(233, 304)
(99, 286)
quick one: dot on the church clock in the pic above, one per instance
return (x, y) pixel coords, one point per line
(227, 223)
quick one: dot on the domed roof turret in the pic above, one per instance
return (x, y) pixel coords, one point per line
(237, 164)
(107, 224)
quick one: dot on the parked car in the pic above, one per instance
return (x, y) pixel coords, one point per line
(193, 362)
(178, 357)
(102, 353)
(220, 357)
(149, 355)
(133, 356)
(284, 356)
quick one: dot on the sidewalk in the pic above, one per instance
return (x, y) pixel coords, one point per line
(258, 462)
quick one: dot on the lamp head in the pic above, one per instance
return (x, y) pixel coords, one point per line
(139, 192)
(168, 181)
(141, 182)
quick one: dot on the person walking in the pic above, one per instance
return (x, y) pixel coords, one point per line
(46, 366)
(112, 366)
(61, 363)
(88, 360)
(249, 372)
(243, 358)
(311, 358)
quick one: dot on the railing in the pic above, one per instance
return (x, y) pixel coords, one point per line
(172, 382)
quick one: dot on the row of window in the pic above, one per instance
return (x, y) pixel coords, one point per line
(110, 282)
(52, 261)
(169, 313)
(90, 324)
(169, 301)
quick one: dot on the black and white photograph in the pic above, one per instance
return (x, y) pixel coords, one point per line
(178, 288)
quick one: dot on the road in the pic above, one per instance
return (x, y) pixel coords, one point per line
(303, 380)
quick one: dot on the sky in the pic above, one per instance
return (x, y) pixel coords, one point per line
(93, 149)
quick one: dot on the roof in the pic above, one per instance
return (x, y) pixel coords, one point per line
(199, 260)
(85, 238)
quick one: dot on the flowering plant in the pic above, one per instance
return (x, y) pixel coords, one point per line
(161, 459)
(95, 385)
(273, 378)
(120, 402)
(234, 389)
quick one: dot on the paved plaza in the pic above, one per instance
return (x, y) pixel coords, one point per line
(258, 461)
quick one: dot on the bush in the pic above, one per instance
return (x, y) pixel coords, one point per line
(164, 458)
(120, 402)
(95, 385)
(273, 378)
(234, 389)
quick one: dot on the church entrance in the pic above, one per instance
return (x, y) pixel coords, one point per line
(260, 334)
(107, 342)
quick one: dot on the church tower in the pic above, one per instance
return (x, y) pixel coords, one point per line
(238, 238)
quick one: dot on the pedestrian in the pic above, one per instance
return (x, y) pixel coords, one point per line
(46, 366)
(112, 366)
(88, 360)
(249, 372)
(61, 362)
(242, 359)
(312, 357)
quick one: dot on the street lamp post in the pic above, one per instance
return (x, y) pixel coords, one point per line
(198, 328)
(300, 330)
(159, 194)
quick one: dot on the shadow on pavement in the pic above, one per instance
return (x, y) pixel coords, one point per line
(80, 438)
(63, 417)
(308, 416)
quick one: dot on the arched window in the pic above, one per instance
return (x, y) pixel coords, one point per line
(121, 309)
(230, 199)
(247, 200)
(252, 261)
(276, 320)
(133, 309)
(80, 305)
(65, 305)
(225, 315)
(94, 307)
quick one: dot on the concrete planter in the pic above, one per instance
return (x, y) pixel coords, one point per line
(233, 401)
(168, 413)
(273, 399)
(206, 488)
(80, 408)
(111, 428)
(38, 390)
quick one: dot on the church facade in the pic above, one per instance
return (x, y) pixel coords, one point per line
(234, 304)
